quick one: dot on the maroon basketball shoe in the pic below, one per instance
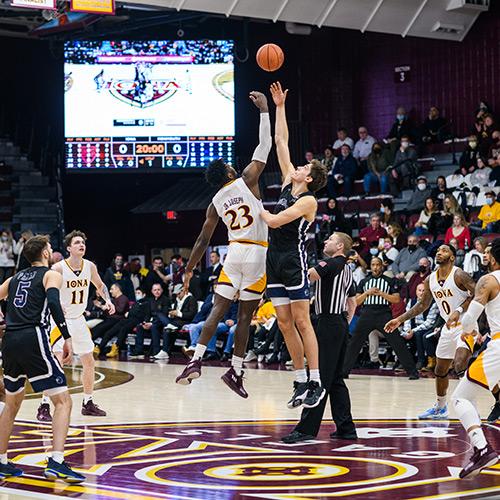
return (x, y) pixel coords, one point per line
(480, 459)
(43, 414)
(92, 410)
(191, 371)
(235, 382)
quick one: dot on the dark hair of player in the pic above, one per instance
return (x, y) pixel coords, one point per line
(216, 173)
(319, 175)
(68, 239)
(34, 247)
(495, 249)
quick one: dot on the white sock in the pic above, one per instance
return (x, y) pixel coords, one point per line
(441, 401)
(87, 398)
(314, 375)
(477, 438)
(3, 459)
(301, 375)
(45, 400)
(469, 417)
(237, 364)
(2, 406)
(199, 351)
(58, 456)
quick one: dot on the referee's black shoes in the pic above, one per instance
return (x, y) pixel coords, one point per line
(296, 437)
(352, 436)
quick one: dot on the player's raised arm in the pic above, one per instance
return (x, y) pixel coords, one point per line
(101, 288)
(253, 171)
(422, 305)
(301, 208)
(201, 244)
(281, 133)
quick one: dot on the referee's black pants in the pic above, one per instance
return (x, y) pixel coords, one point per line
(375, 320)
(332, 332)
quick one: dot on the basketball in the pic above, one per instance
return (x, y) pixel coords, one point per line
(270, 57)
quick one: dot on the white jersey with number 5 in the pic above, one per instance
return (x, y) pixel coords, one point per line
(75, 289)
(448, 295)
(240, 210)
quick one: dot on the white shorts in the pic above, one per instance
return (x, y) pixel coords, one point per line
(449, 341)
(244, 271)
(80, 336)
(485, 369)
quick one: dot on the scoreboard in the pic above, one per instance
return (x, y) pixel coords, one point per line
(148, 152)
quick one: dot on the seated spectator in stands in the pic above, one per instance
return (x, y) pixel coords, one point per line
(363, 147)
(441, 220)
(309, 156)
(329, 158)
(395, 231)
(468, 158)
(156, 274)
(425, 215)
(332, 220)
(176, 270)
(371, 233)
(182, 313)
(418, 197)
(387, 251)
(407, 261)
(483, 109)
(480, 176)
(433, 128)
(494, 151)
(424, 270)
(342, 138)
(7, 262)
(474, 258)
(343, 173)
(121, 303)
(440, 191)
(136, 272)
(460, 231)
(159, 303)
(139, 313)
(116, 273)
(405, 167)
(489, 215)
(378, 163)
(388, 215)
(401, 127)
(264, 315)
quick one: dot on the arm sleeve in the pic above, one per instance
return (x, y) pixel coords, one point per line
(265, 141)
(56, 311)
(352, 290)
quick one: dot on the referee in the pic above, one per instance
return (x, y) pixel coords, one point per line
(335, 305)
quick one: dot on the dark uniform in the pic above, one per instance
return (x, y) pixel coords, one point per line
(287, 279)
(26, 350)
(332, 291)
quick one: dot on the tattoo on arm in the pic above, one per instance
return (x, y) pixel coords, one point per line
(104, 293)
(482, 293)
(422, 305)
(465, 282)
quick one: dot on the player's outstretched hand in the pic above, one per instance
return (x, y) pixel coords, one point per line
(110, 308)
(453, 319)
(260, 100)
(392, 325)
(67, 352)
(277, 93)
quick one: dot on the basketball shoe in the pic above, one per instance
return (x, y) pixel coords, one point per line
(235, 382)
(435, 413)
(90, 409)
(10, 470)
(315, 393)
(55, 470)
(480, 459)
(43, 413)
(300, 390)
(191, 371)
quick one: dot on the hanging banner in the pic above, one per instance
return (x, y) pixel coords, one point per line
(93, 6)
(35, 4)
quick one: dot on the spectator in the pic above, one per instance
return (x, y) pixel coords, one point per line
(474, 258)
(388, 215)
(424, 270)
(485, 133)
(21, 261)
(468, 159)
(309, 156)
(480, 176)
(357, 264)
(330, 221)
(433, 128)
(159, 303)
(182, 313)
(395, 231)
(176, 270)
(7, 262)
(405, 167)
(136, 276)
(372, 233)
(344, 172)
(116, 273)
(483, 109)
(363, 147)
(494, 151)
(156, 275)
(418, 197)
(440, 191)
(460, 232)
(489, 215)
(263, 318)
(329, 159)
(407, 261)
(342, 138)
(378, 162)
(441, 220)
(212, 272)
(401, 127)
(425, 215)
(388, 252)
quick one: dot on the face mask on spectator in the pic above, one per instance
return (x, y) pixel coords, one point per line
(382, 210)
(489, 201)
(5, 238)
(422, 269)
(472, 144)
(405, 144)
(138, 296)
(421, 186)
(374, 251)
(400, 117)
(387, 245)
(411, 248)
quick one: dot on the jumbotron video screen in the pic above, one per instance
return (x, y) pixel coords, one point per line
(148, 105)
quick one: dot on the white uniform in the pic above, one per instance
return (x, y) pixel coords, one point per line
(449, 297)
(244, 268)
(74, 297)
(485, 369)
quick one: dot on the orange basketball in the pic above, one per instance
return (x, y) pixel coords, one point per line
(270, 57)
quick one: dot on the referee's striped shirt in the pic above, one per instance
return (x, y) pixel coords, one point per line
(335, 285)
(383, 283)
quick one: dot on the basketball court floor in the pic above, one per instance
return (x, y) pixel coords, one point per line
(165, 441)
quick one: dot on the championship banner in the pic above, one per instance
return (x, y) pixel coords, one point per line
(35, 4)
(93, 6)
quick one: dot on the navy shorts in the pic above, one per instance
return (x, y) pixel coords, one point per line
(26, 355)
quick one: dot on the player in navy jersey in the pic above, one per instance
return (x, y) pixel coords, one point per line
(287, 279)
(27, 355)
